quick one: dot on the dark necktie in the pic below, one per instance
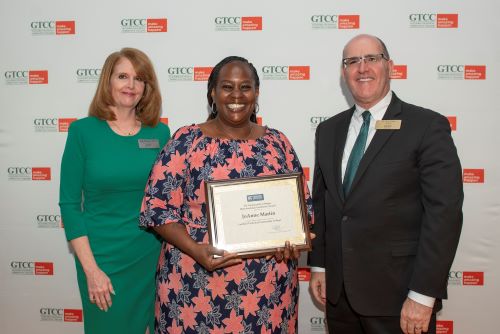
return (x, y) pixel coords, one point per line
(357, 153)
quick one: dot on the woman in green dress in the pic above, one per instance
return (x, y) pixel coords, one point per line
(104, 169)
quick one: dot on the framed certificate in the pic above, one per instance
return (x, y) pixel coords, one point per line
(254, 216)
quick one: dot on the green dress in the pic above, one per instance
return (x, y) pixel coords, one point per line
(103, 176)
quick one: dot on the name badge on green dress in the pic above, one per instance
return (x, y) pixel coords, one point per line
(149, 143)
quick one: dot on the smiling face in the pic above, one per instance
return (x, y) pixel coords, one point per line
(126, 86)
(235, 94)
(368, 82)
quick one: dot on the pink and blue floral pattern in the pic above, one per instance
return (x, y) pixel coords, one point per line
(258, 296)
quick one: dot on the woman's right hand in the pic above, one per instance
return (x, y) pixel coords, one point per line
(99, 288)
(177, 235)
(204, 255)
(98, 283)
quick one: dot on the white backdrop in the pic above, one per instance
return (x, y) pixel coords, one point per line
(449, 58)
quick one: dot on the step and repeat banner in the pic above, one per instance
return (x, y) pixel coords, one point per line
(447, 58)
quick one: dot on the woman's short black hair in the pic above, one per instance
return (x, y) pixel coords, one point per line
(214, 77)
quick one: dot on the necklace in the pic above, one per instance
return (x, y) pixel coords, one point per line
(130, 132)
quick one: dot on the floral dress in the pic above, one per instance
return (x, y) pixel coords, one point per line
(257, 296)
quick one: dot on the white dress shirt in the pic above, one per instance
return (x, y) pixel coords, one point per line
(377, 113)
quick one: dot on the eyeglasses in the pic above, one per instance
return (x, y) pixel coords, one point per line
(368, 59)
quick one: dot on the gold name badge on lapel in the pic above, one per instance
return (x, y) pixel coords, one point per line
(388, 124)
(149, 143)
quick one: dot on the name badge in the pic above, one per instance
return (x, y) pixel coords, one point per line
(388, 124)
(149, 143)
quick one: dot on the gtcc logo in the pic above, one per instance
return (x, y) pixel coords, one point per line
(22, 265)
(180, 70)
(189, 73)
(52, 124)
(48, 218)
(19, 173)
(324, 18)
(422, 17)
(142, 25)
(32, 268)
(16, 77)
(28, 173)
(228, 20)
(333, 21)
(274, 69)
(433, 20)
(52, 311)
(450, 68)
(466, 278)
(317, 321)
(318, 119)
(317, 324)
(275, 72)
(238, 23)
(52, 27)
(43, 25)
(60, 314)
(461, 72)
(281, 72)
(49, 221)
(43, 28)
(16, 74)
(315, 120)
(133, 25)
(88, 75)
(81, 72)
(45, 121)
(133, 22)
(24, 77)
(180, 73)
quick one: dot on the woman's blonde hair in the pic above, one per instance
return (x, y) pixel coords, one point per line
(148, 109)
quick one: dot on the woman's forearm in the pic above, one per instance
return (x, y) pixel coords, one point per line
(177, 235)
(84, 253)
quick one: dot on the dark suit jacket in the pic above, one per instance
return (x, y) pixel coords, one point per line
(398, 228)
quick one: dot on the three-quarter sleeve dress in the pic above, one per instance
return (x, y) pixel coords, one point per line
(103, 176)
(257, 296)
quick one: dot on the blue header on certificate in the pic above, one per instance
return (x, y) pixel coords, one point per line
(255, 197)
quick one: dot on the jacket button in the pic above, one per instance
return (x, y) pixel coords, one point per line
(344, 218)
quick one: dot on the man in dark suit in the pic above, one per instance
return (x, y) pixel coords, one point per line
(388, 196)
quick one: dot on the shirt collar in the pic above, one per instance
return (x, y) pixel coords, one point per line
(378, 110)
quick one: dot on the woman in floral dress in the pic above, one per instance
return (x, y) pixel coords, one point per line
(197, 293)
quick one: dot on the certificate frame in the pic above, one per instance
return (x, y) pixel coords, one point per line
(254, 216)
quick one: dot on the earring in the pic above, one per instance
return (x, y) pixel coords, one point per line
(256, 111)
(214, 111)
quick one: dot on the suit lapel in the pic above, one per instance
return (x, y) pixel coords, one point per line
(379, 140)
(340, 139)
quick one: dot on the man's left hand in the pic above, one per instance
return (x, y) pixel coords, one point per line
(415, 317)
